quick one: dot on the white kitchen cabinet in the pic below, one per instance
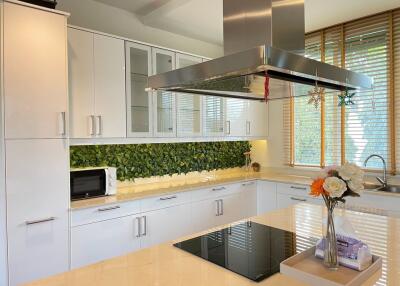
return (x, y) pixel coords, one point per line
(257, 119)
(213, 116)
(291, 194)
(236, 116)
(139, 101)
(249, 199)
(97, 85)
(204, 214)
(37, 176)
(188, 106)
(109, 84)
(232, 208)
(35, 73)
(94, 242)
(165, 224)
(164, 102)
(266, 196)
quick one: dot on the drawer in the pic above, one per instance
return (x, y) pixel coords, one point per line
(165, 201)
(105, 212)
(293, 189)
(216, 191)
(284, 201)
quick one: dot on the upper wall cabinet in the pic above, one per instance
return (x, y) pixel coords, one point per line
(213, 116)
(188, 106)
(257, 119)
(164, 102)
(236, 116)
(35, 73)
(139, 101)
(96, 85)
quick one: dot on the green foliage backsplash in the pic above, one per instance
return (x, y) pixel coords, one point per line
(146, 160)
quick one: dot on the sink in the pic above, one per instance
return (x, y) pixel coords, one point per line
(389, 189)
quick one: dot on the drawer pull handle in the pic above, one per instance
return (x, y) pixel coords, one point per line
(297, 199)
(248, 184)
(168, 198)
(109, 209)
(218, 189)
(298, 188)
(30, 222)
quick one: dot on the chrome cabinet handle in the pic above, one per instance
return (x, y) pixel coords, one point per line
(62, 124)
(248, 184)
(30, 222)
(144, 232)
(217, 208)
(222, 207)
(92, 125)
(247, 127)
(297, 199)
(168, 198)
(218, 189)
(228, 127)
(99, 125)
(108, 209)
(137, 226)
(298, 188)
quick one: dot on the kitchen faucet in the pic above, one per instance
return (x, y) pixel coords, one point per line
(383, 180)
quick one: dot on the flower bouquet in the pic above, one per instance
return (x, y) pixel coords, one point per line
(334, 185)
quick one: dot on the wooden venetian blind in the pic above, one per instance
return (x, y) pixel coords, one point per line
(396, 81)
(367, 122)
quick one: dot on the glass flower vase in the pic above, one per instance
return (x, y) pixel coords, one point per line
(331, 260)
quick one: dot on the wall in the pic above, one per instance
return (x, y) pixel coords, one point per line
(147, 160)
(104, 18)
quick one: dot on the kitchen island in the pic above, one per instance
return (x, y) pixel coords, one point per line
(166, 265)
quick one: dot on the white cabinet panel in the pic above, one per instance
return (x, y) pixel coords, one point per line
(35, 73)
(165, 224)
(249, 199)
(109, 75)
(103, 240)
(213, 116)
(164, 101)
(257, 119)
(204, 214)
(232, 209)
(284, 201)
(266, 197)
(139, 102)
(236, 115)
(188, 106)
(81, 83)
(37, 190)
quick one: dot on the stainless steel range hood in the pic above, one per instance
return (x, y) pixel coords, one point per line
(264, 47)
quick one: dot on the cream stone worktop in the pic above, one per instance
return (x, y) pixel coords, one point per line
(138, 190)
(168, 266)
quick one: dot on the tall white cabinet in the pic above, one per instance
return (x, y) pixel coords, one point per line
(36, 146)
(97, 85)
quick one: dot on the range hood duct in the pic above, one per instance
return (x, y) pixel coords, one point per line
(264, 48)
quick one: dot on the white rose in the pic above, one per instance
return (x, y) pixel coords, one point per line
(356, 186)
(350, 171)
(335, 187)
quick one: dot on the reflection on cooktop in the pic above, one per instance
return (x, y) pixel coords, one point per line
(249, 249)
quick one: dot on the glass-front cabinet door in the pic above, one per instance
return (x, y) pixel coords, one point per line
(213, 116)
(189, 106)
(164, 102)
(139, 101)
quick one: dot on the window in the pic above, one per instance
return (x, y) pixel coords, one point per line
(331, 134)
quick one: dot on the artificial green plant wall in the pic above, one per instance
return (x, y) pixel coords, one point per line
(146, 160)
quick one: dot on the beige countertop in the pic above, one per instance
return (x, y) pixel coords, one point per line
(165, 265)
(132, 191)
(146, 188)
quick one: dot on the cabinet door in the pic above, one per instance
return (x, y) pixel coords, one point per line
(214, 119)
(81, 83)
(98, 241)
(232, 209)
(164, 101)
(257, 119)
(189, 106)
(37, 208)
(35, 73)
(139, 101)
(249, 199)
(236, 115)
(204, 214)
(266, 197)
(109, 74)
(165, 224)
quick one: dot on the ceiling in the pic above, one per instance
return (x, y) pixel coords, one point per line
(202, 19)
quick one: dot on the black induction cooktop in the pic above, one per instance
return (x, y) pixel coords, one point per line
(249, 249)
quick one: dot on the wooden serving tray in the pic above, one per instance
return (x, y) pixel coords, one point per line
(309, 269)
